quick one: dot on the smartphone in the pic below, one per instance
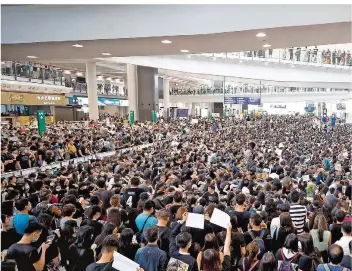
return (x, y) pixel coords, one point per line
(50, 239)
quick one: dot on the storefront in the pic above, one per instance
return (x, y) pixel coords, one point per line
(112, 106)
(22, 107)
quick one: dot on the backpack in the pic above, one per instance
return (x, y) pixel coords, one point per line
(42, 208)
(259, 240)
(286, 265)
(327, 268)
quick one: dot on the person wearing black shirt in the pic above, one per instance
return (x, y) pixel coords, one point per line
(335, 228)
(131, 195)
(211, 195)
(94, 214)
(177, 203)
(110, 245)
(128, 248)
(179, 246)
(8, 160)
(26, 256)
(257, 230)
(9, 236)
(83, 150)
(22, 160)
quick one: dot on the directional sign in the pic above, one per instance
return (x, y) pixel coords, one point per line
(41, 121)
(242, 100)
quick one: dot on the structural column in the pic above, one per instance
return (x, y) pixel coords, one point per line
(91, 77)
(148, 96)
(166, 93)
(132, 90)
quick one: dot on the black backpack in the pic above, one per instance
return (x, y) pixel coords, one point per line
(45, 208)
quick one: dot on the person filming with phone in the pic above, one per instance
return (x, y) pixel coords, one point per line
(27, 256)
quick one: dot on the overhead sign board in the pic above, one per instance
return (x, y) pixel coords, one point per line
(242, 100)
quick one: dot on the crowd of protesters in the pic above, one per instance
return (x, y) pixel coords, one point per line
(285, 182)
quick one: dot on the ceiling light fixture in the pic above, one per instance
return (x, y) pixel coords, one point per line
(260, 35)
(293, 66)
(106, 54)
(67, 72)
(79, 74)
(189, 56)
(266, 45)
(31, 57)
(184, 51)
(166, 41)
(77, 45)
(109, 78)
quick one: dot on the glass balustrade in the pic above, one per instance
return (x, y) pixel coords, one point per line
(43, 74)
(300, 56)
(252, 89)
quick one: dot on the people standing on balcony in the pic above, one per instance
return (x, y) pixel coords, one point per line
(270, 53)
(298, 54)
(334, 53)
(328, 57)
(348, 58)
(338, 57)
(342, 60)
(291, 53)
(315, 54)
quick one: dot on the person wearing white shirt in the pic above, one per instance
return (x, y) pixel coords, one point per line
(346, 238)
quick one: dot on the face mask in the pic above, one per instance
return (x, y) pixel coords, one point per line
(35, 240)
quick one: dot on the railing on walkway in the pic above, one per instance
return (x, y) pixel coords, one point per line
(252, 89)
(312, 56)
(50, 75)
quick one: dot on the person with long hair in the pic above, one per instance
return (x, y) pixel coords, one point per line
(211, 259)
(115, 203)
(128, 248)
(311, 257)
(286, 227)
(66, 239)
(250, 261)
(268, 262)
(210, 242)
(289, 252)
(321, 235)
(80, 253)
(108, 229)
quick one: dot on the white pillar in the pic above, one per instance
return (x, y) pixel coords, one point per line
(166, 92)
(91, 76)
(132, 90)
(193, 109)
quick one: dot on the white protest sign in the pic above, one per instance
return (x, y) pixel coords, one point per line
(305, 178)
(123, 263)
(195, 221)
(220, 218)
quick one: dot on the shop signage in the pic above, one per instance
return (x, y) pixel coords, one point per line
(109, 101)
(31, 98)
(32, 87)
(241, 100)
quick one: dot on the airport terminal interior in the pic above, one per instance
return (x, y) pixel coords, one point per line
(176, 137)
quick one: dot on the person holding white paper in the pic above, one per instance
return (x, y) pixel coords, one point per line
(212, 260)
(105, 263)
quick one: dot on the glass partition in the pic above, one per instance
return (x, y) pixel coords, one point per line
(313, 56)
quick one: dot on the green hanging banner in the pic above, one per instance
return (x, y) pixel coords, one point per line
(131, 117)
(154, 117)
(41, 121)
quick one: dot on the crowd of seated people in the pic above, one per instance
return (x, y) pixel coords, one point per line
(284, 182)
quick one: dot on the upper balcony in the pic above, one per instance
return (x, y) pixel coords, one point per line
(53, 76)
(328, 56)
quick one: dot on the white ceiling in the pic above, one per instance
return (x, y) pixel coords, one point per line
(281, 37)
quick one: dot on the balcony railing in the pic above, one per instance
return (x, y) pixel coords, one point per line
(301, 56)
(252, 90)
(43, 74)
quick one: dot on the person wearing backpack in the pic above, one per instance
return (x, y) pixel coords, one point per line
(288, 256)
(335, 254)
(45, 206)
(258, 233)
